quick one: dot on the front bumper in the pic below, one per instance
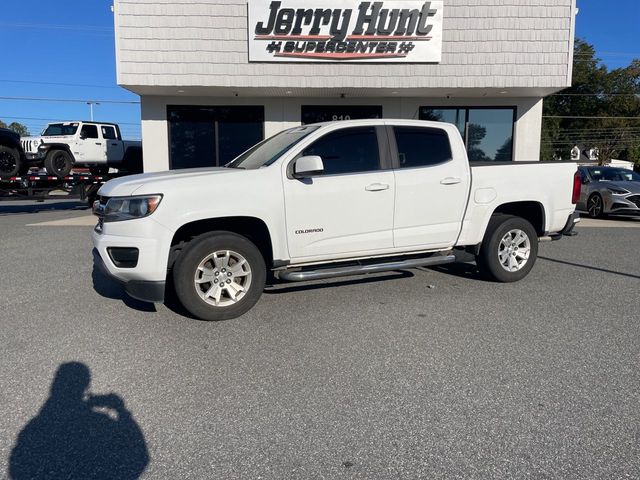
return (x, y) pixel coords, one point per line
(628, 204)
(35, 157)
(145, 278)
(144, 290)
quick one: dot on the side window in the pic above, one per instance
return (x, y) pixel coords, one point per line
(89, 131)
(349, 150)
(108, 133)
(422, 147)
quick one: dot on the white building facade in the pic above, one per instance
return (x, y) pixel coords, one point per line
(217, 76)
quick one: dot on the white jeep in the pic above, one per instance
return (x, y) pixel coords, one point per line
(96, 145)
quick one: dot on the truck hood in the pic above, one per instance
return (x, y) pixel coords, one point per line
(51, 139)
(159, 182)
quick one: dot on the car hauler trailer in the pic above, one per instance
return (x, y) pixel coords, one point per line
(81, 186)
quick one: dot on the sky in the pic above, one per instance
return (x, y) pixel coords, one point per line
(65, 50)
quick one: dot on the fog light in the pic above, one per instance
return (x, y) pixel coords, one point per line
(123, 257)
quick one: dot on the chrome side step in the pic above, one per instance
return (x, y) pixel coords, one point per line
(344, 271)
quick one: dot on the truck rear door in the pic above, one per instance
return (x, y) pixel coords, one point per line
(432, 186)
(115, 146)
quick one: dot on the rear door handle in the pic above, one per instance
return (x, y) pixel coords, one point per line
(377, 187)
(98, 143)
(450, 181)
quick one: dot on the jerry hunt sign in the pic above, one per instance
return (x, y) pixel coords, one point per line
(405, 31)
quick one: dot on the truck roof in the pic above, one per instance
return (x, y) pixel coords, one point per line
(94, 122)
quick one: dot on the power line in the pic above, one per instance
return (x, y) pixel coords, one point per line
(55, 119)
(606, 54)
(58, 84)
(69, 100)
(83, 28)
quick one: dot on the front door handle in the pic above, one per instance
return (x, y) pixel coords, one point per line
(98, 143)
(450, 181)
(377, 187)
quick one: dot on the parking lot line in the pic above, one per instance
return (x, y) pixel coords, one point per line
(83, 221)
(609, 223)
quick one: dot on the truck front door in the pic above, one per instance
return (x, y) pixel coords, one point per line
(431, 188)
(348, 209)
(90, 147)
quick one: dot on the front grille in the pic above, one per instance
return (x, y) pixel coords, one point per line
(635, 199)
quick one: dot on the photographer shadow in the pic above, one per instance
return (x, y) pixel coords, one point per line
(77, 435)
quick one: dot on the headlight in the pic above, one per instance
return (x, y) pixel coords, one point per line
(118, 209)
(617, 191)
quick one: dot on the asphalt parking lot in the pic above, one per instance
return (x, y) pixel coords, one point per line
(428, 373)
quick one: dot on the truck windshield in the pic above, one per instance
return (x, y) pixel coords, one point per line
(269, 150)
(60, 129)
(614, 175)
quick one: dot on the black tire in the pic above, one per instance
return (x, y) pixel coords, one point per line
(595, 206)
(58, 163)
(186, 267)
(99, 170)
(10, 162)
(489, 258)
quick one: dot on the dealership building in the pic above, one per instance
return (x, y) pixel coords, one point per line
(217, 76)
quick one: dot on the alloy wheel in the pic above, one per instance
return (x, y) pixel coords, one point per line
(514, 250)
(595, 206)
(223, 278)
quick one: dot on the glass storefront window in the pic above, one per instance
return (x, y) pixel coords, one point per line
(202, 136)
(487, 132)
(334, 113)
(457, 116)
(490, 136)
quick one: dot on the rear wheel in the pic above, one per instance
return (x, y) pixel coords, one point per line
(58, 163)
(509, 249)
(595, 206)
(10, 162)
(219, 276)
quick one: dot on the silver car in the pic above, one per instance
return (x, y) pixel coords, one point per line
(609, 190)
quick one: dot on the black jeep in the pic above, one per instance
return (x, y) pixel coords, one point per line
(12, 159)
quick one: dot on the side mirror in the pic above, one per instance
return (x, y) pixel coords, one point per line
(585, 180)
(308, 166)
(83, 136)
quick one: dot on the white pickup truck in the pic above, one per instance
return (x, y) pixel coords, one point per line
(96, 145)
(327, 200)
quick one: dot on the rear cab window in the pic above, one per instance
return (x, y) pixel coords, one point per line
(422, 146)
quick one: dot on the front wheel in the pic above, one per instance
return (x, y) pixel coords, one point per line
(219, 276)
(595, 206)
(58, 163)
(509, 249)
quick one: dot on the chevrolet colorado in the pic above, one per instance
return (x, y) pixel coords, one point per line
(327, 200)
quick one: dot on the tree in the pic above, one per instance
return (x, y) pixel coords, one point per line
(596, 92)
(16, 127)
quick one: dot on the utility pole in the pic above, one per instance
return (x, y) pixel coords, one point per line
(91, 104)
